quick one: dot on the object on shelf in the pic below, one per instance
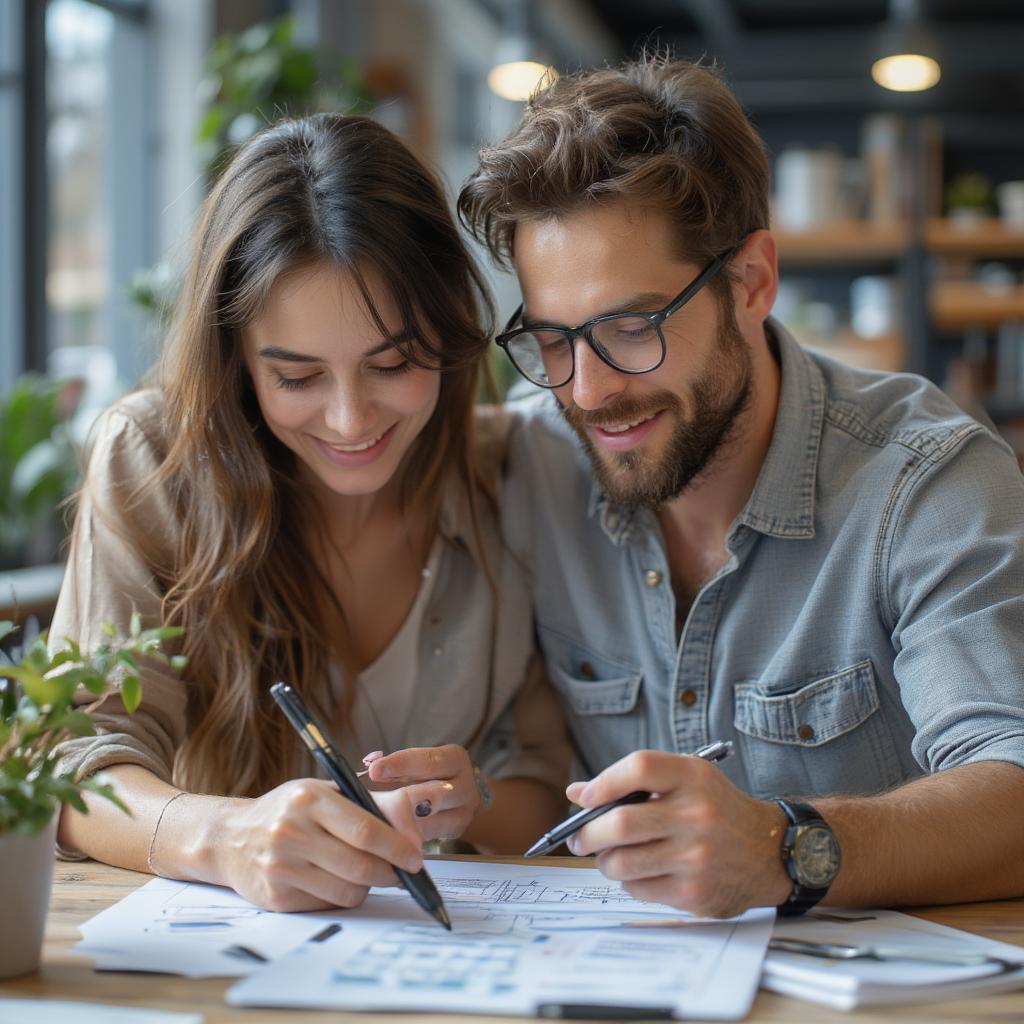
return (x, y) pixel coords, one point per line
(874, 305)
(882, 143)
(1011, 204)
(969, 200)
(808, 185)
(1009, 381)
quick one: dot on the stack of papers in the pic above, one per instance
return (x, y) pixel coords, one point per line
(525, 940)
(200, 931)
(846, 984)
(58, 1011)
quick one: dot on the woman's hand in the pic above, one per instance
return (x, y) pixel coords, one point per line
(437, 782)
(304, 846)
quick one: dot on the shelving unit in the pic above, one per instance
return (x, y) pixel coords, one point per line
(951, 305)
(961, 305)
(843, 242)
(989, 238)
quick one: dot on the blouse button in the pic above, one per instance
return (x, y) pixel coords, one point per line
(805, 732)
(652, 578)
(688, 697)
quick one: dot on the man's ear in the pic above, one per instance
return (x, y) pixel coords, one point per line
(757, 267)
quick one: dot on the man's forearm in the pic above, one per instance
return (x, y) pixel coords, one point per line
(952, 837)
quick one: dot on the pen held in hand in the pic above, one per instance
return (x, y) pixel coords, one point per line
(717, 751)
(418, 884)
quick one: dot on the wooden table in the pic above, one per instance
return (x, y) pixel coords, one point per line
(83, 889)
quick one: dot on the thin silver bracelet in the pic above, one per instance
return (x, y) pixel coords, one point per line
(156, 829)
(486, 797)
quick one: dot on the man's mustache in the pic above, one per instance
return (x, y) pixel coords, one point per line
(623, 411)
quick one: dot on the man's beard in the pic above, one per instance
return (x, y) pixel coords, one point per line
(718, 397)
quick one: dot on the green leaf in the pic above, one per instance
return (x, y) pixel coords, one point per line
(128, 660)
(6, 628)
(108, 628)
(41, 691)
(94, 684)
(105, 790)
(179, 662)
(131, 693)
(135, 626)
(80, 723)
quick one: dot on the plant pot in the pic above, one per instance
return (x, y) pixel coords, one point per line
(26, 874)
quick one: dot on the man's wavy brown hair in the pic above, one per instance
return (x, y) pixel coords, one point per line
(243, 577)
(659, 132)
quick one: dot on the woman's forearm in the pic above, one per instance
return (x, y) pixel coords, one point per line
(173, 839)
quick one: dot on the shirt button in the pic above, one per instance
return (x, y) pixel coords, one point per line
(688, 697)
(805, 732)
(586, 670)
(652, 578)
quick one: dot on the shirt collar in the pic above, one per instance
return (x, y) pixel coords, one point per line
(782, 503)
(783, 500)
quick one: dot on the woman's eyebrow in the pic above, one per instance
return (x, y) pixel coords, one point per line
(288, 356)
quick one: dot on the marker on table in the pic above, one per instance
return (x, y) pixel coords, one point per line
(717, 751)
(419, 884)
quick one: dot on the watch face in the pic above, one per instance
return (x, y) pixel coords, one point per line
(816, 856)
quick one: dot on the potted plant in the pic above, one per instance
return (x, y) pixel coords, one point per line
(37, 712)
(969, 200)
(39, 466)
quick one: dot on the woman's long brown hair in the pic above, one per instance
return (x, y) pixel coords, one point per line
(244, 581)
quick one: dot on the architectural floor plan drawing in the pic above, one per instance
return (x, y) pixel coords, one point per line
(525, 940)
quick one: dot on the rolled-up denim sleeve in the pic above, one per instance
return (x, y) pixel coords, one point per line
(952, 564)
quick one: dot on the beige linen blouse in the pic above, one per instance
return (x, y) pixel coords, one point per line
(437, 693)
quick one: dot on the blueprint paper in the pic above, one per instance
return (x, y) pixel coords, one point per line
(523, 938)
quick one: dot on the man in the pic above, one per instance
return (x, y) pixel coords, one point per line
(734, 539)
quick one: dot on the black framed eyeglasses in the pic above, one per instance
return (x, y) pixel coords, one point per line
(628, 342)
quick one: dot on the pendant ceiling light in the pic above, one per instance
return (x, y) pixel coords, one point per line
(518, 67)
(908, 60)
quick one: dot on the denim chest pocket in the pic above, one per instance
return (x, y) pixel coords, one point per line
(826, 736)
(603, 702)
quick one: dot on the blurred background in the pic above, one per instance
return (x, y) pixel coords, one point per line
(898, 186)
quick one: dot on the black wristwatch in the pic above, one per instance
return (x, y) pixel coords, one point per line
(810, 852)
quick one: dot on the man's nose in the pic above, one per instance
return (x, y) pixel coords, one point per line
(594, 382)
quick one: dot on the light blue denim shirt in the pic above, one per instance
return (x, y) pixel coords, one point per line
(867, 627)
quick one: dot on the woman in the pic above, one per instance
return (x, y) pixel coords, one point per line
(306, 495)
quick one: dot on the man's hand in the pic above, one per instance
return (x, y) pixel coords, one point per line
(699, 844)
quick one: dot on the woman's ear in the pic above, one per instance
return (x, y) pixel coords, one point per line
(757, 266)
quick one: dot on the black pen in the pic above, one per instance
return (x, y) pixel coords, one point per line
(716, 751)
(419, 884)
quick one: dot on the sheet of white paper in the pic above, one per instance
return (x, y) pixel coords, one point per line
(851, 983)
(523, 938)
(192, 929)
(53, 1011)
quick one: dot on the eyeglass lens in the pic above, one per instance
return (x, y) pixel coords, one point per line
(629, 343)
